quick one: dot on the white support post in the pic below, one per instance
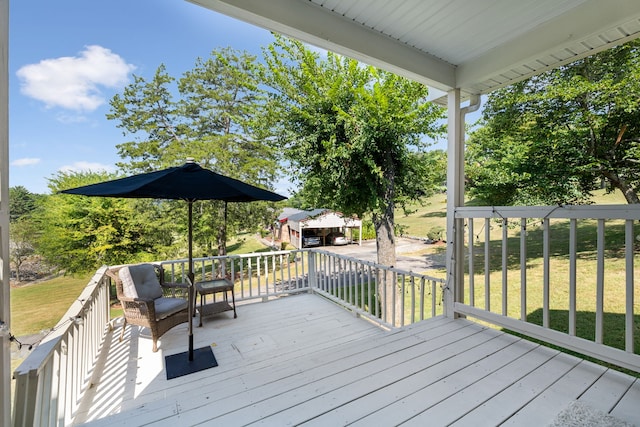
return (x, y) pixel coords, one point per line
(5, 314)
(455, 198)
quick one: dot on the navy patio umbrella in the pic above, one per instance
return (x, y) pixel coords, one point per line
(191, 183)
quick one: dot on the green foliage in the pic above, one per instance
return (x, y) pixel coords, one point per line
(208, 114)
(368, 230)
(21, 202)
(79, 234)
(355, 135)
(436, 233)
(555, 137)
(353, 132)
(24, 232)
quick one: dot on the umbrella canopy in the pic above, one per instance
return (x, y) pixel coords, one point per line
(189, 182)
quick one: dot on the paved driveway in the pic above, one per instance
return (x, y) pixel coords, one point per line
(404, 260)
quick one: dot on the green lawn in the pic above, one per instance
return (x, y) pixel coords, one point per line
(432, 214)
(40, 306)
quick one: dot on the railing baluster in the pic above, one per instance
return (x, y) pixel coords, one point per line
(333, 272)
(394, 296)
(401, 278)
(523, 269)
(600, 283)
(629, 285)
(370, 292)
(361, 273)
(250, 276)
(413, 299)
(472, 292)
(546, 249)
(347, 267)
(573, 253)
(266, 274)
(302, 255)
(487, 264)
(354, 282)
(274, 271)
(422, 296)
(259, 276)
(504, 265)
(295, 267)
(433, 298)
(47, 377)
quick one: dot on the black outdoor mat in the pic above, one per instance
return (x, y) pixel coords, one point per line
(178, 365)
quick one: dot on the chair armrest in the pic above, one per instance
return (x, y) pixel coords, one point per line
(174, 285)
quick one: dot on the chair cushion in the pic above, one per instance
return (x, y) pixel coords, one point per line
(140, 281)
(165, 307)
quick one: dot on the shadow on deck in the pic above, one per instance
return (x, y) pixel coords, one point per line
(304, 360)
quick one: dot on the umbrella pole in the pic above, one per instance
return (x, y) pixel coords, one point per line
(191, 280)
(191, 361)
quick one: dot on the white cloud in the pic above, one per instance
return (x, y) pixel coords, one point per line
(74, 83)
(86, 167)
(26, 161)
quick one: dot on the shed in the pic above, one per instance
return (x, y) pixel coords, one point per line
(284, 233)
(322, 222)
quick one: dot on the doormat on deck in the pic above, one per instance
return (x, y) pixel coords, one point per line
(578, 414)
(179, 364)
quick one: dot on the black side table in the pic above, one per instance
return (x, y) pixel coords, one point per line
(212, 287)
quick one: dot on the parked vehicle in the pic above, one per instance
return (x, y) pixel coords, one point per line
(309, 239)
(336, 238)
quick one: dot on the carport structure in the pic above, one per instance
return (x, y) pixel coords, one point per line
(321, 221)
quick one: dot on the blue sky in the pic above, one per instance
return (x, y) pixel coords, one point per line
(67, 58)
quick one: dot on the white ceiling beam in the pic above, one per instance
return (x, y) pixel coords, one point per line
(574, 26)
(338, 34)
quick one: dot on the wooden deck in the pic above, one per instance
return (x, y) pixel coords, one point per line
(304, 360)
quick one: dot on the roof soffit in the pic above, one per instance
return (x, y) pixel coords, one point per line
(443, 43)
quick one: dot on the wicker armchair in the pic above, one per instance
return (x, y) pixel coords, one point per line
(140, 289)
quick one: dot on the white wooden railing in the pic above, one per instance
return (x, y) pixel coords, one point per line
(259, 275)
(567, 268)
(352, 283)
(347, 281)
(51, 381)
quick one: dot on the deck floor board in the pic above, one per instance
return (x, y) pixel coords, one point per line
(303, 360)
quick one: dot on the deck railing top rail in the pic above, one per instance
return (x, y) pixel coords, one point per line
(559, 211)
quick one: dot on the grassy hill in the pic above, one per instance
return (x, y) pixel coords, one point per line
(431, 213)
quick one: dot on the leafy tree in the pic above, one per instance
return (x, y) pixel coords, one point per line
(21, 202)
(555, 137)
(355, 134)
(24, 232)
(80, 233)
(208, 114)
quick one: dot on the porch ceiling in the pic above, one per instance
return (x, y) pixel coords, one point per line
(476, 45)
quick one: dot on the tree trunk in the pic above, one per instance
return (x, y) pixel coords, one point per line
(386, 250)
(222, 232)
(628, 191)
(222, 243)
